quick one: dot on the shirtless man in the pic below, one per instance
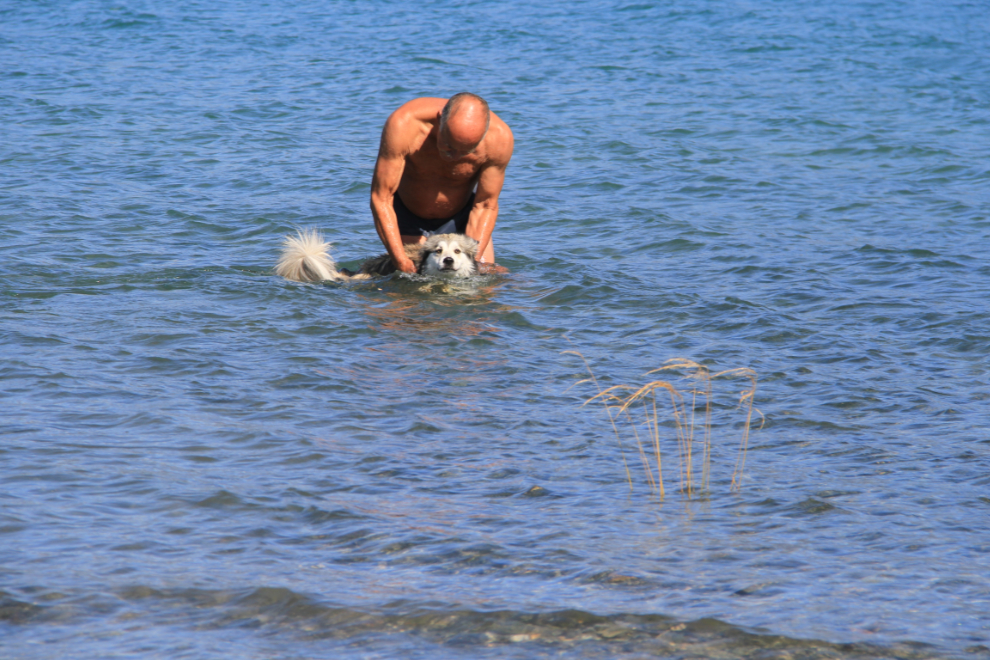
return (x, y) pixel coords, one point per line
(440, 169)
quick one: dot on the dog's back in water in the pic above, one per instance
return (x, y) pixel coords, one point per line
(306, 258)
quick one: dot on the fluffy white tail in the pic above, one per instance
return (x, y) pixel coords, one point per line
(305, 258)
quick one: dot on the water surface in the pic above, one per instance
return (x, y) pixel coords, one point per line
(202, 460)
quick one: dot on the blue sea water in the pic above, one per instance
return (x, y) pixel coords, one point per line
(201, 460)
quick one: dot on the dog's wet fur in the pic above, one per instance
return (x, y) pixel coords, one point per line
(306, 258)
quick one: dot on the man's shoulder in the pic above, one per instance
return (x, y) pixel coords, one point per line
(418, 110)
(502, 141)
(408, 125)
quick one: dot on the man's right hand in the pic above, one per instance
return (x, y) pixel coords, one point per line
(406, 265)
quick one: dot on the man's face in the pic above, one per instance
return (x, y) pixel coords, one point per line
(451, 149)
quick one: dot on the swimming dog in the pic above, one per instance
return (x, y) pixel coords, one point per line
(306, 258)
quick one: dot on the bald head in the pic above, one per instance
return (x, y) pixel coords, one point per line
(465, 119)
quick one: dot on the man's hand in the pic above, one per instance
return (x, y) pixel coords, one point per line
(406, 265)
(491, 269)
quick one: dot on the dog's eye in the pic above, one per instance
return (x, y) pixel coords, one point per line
(457, 251)
(438, 251)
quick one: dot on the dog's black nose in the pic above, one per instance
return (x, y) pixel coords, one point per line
(448, 261)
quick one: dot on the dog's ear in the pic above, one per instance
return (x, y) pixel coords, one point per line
(470, 246)
(431, 243)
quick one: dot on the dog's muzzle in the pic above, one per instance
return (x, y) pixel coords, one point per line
(448, 263)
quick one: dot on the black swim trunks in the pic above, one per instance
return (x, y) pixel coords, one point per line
(411, 224)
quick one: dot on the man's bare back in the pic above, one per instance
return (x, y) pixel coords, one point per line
(435, 168)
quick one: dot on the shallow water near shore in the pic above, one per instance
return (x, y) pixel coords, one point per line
(201, 460)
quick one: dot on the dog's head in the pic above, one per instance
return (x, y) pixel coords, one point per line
(449, 255)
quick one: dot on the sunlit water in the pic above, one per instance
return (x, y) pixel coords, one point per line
(201, 460)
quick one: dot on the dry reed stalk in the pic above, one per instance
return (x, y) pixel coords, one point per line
(618, 437)
(697, 372)
(746, 396)
(685, 425)
(676, 403)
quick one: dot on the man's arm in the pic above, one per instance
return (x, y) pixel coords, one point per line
(384, 184)
(484, 213)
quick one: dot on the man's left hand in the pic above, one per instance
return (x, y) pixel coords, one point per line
(491, 269)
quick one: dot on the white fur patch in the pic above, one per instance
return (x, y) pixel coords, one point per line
(449, 259)
(306, 258)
